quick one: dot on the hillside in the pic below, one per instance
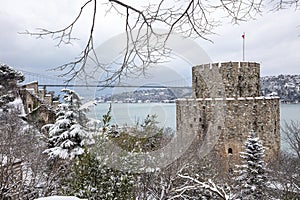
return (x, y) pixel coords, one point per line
(287, 87)
(165, 95)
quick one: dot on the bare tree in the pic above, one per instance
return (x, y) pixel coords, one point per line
(22, 164)
(288, 166)
(292, 136)
(183, 179)
(145, 44)
(284, 176)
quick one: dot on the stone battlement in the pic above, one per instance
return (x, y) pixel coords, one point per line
(239, 65)
(229, 79)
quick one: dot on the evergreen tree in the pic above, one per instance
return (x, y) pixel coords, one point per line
(252, 173)
(91, 178)
(67, 136)
(72, 101)
(8, 84)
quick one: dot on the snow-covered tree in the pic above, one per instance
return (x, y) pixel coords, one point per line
(214, 190)
(67, 136)
(23, 171)
(90, 178)
(199, 178)
(251, 177)
(73, 102)
(8, 84)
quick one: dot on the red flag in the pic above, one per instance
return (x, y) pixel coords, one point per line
(243, 36)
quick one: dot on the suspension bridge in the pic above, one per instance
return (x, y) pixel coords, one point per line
(51, 81)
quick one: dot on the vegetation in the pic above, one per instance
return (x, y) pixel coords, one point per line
(142, 26)
(90, 178)
(23, 173)
(291, 133)
(27, 173)
(67, 136)
(252, 179)
(143, 137)
(9, 78)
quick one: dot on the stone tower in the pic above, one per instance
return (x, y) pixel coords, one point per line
(226, 105)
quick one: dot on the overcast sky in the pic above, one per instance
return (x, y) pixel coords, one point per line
(272, 39)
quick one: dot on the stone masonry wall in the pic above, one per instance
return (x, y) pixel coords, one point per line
(240, 117)
(235, 79)
(225, 107)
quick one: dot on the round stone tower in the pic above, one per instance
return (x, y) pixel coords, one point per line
(226, 105)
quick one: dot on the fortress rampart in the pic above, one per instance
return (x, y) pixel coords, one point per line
(226, 106)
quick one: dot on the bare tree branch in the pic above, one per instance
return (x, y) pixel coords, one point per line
(292, 135)
(194, 184)
(63, 35)
(146, 44)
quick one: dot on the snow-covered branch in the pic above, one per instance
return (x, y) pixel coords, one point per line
(196, 184)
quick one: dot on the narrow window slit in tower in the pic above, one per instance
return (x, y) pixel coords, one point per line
(220, 93)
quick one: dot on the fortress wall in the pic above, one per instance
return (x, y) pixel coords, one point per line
(241, 116)
(225, 107)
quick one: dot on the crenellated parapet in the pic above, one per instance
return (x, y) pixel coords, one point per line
(230, 79)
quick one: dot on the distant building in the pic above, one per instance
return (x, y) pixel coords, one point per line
(38, 104)
(226, 105)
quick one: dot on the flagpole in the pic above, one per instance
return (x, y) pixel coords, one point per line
(243, 36)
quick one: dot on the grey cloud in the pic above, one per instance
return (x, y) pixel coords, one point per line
(271, 39)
